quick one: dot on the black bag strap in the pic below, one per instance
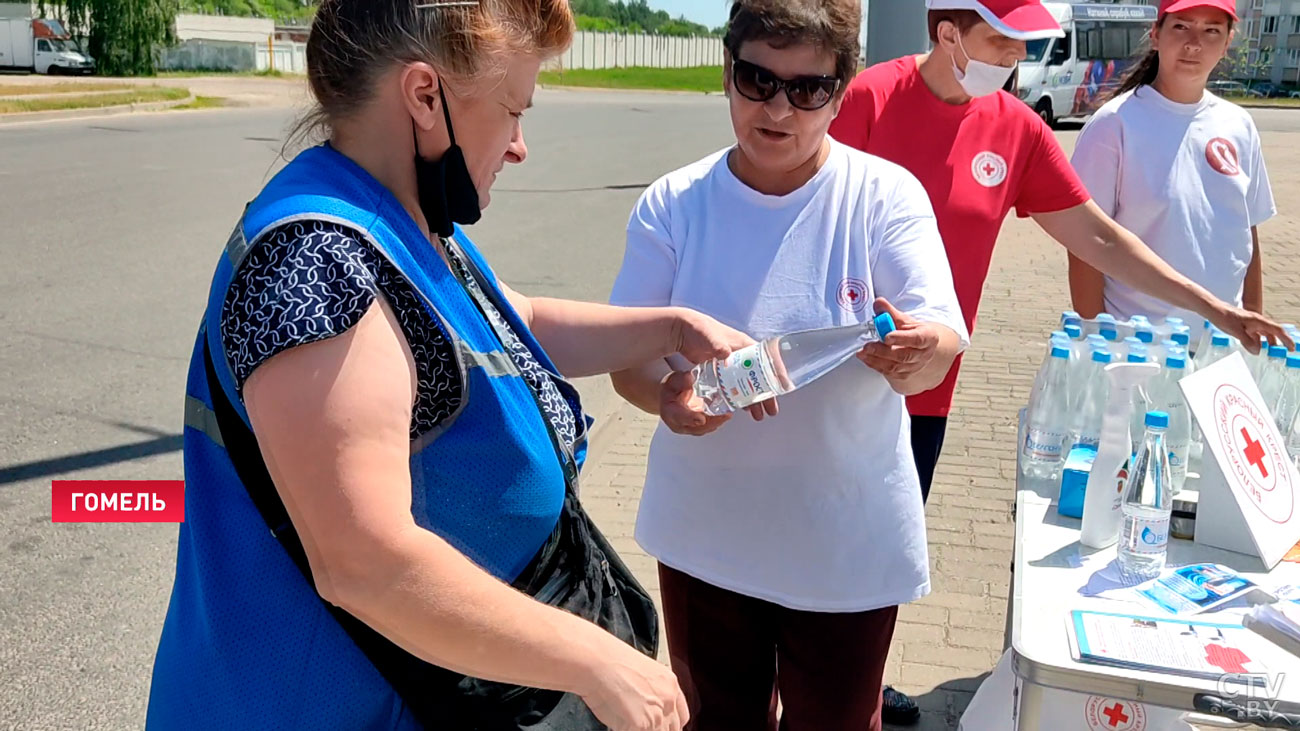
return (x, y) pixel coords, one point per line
(409, 675)
(481, 296)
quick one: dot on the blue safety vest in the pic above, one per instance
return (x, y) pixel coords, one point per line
(247, 643)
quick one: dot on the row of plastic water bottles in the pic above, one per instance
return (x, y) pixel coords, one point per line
(1071, 389)
(1071, 395)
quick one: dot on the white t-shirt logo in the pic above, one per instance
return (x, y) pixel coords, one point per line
(1222, 156)
(989, 169)
(852, 294)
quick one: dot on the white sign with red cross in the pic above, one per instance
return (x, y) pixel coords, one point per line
(1248, 483)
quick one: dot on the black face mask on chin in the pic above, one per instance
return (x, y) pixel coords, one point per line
(444, 186)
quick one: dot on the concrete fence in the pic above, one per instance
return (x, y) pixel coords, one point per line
(592, 50)
(207, 55)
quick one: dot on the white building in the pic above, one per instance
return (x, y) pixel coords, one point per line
(1272, 27)
(226, 43)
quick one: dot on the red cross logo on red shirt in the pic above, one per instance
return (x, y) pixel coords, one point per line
(1254, 452)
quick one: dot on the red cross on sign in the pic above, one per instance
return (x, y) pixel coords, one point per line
(1115, 714)
(1255, 453)
(989, 170)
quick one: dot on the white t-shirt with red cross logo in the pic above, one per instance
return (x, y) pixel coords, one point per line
(819, 508)
(1188, 179)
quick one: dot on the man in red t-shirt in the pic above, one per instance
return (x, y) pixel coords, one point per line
(980, 152)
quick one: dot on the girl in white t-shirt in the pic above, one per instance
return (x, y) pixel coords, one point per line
(786, 546)
(1179, 167)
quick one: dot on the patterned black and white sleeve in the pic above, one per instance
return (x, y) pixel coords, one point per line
(308, 281)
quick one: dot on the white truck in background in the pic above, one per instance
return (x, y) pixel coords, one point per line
(1070, 77)
(41, 45)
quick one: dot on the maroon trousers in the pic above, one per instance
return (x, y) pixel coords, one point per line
(734, 655)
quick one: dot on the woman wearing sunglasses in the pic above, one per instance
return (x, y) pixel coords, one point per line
(786, 547)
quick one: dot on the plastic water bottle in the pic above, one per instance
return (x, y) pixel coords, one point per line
(1101, 322)
(1137, 353)
(1144, 331)
(1135, 323)
(1203, 339)
(1166, 396)
(1086, 427)
(1220, 347)
(1288, 400)
(1073, 332)
(1070, 317)
(1121, 352)
(781, 364)
(1274, 372)
(1293, 439)
(1148, 503)
(1258, 362)
(1058, 338)
(1048, 416)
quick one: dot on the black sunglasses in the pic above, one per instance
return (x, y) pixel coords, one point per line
(756, 83)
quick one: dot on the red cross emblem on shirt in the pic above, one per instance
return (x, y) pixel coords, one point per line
(1254, 453)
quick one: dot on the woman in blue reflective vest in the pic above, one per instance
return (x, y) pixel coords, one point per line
(358, 354)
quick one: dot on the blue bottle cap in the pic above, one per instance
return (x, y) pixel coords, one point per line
(1146, 335)
(1060, 350)
(1220, 340)
(1277, 351)
(1158, 419)
(1101, 356)
(1074, 332)
(1137, 354)
(884, 324)
(1109, 333)
(1293, 360)
(1177, 360)
(1182, 336)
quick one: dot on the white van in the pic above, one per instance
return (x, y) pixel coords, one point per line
(1070, 77)
(41, 45)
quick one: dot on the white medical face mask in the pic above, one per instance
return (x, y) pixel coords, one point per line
(980, 79)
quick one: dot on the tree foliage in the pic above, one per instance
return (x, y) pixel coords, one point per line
(122, 33)
(632, 15)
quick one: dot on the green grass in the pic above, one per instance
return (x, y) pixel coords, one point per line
(68, 88)
(93, 101)
(203, 102)
(697, 78)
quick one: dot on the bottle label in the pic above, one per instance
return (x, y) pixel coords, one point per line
(1178, 455)
(1087, 440)
(1043, 444)
(745, 376)
(1146, 536)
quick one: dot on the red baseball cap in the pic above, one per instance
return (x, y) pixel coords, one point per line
(1178, 6)
(1023, 20)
